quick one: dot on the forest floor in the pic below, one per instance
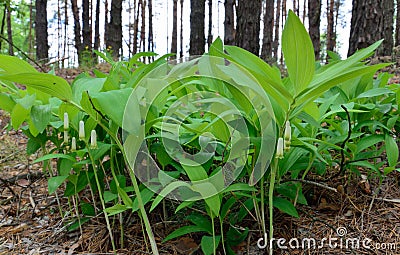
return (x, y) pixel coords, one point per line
(367, 210)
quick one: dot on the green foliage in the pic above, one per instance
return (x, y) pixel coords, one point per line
(179, 115)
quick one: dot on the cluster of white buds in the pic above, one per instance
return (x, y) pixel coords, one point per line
(284, 143)
(81, 134)
(66, 127)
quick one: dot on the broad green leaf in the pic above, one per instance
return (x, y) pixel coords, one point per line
(113, 103)
(183, 231)
(298, 52)
(168, 189)
(367, 142)
(285, 206)
(92, 85)
(6, 102)
(55, 182)
(116, 209)
(392, 150)
(239, 187)
(18, 115)
(13, 65)
(46, 83)
(87, 209)
(51, 156)
(375, 92)
(207, 244)
(40, 116)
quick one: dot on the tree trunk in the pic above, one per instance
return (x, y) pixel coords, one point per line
(174, 41)
(181, 34)
(114, 29)
(136, 27)
(197, 37)
(210, 36)
(229, 23)
(276, 38)
(42, 46)
(266, 51)
(397, 41)
(330, 37)
(77, 30)
(371, 21)
(9, 31)
(3, 23)
(248, 25)
(143, 28)
(86, 35)
(150, 44)
(96, 45)
(314, 19)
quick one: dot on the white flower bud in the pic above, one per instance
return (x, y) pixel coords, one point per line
(279, 149)
(66, 136)
(66, 121)
(288, 131)
(73, 144)
(288, 136)
(81, 130)
(93, 139)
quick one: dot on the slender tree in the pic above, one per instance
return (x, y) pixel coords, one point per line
(150, 43)
(248, 25)
(268, 31)
(371, 21)
(42, 46)
(314, 20)
(181, 31)
(276, 38)
(197, 37)
(136, 26)
(96, 45)
(210, 23)
(9, 30)
(113, 37)
(330, 37)
(174, 40)
(143, 28)
(86, 31)
(397, 35)
(229, 23)
(77, 30)
(3, 23)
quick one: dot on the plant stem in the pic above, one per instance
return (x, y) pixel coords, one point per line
(274, 170)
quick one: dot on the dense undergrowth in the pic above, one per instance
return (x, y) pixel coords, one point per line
(224, 134)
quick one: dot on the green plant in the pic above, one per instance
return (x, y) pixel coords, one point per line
(224, 134)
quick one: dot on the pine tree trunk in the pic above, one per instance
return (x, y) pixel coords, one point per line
(150, 44)
(113, 36)
(181, 31)
(197, 37)
(314, 19)
(3, 23)
(371, 21)
(210, 36)
(330, 37)
(9, 31)
(143, 28)
(276, 38)
(96, 45)
(174, 41)
(77, 30)
(136, 27)
(42, 46)
(229, 23)
(397, 41)
(86, 35)
(266, 51)
(248, 25)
